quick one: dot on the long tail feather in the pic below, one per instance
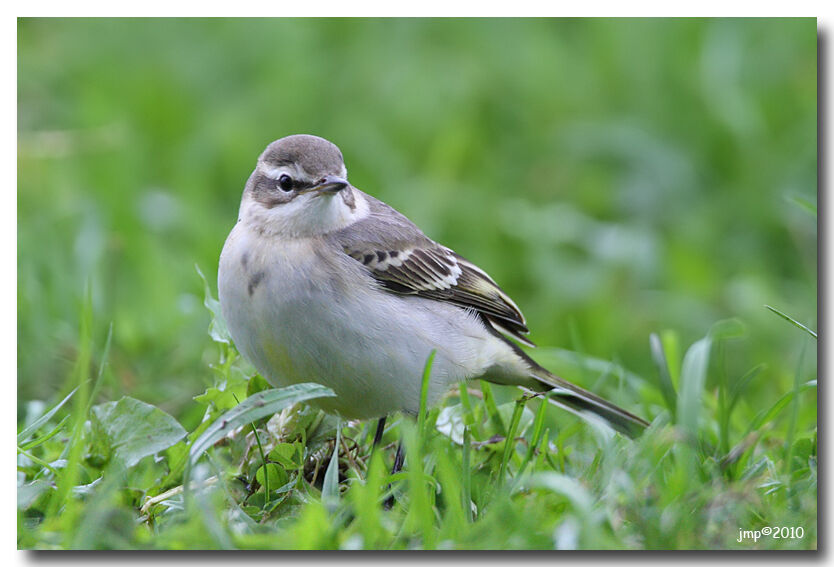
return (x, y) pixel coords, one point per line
(579, 401)
(569, 396)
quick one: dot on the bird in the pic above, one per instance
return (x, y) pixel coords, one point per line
(321, 282)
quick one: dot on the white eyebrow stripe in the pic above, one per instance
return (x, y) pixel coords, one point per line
(294, 171)
(274, 172)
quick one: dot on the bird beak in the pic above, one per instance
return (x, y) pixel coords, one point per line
(328, 185)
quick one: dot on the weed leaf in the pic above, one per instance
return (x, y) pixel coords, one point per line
(253, 408)
(134, 429)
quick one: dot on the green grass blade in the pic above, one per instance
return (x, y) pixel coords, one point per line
(566, 486)
(793, 321)
(469, 418)
(424, 392)
(789, 436)
(509, 441)
(263, 458)
(535, 438)
(365, 498)
(672, 349)
(46, 437)
(804, 204)
(75, 446)
(330, 486)
(693, 378)
(451, 492)
(33, 428)
(664, 377)
(492, 408)
(105, 356)
(766, 416)
(723, 397)
(740, 386)
(467, 474)
(41, 462)
(420, 491)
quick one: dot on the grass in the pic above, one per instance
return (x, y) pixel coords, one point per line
(270, 472)
(644, 189)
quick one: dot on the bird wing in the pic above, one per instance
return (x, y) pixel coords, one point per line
(404, 261)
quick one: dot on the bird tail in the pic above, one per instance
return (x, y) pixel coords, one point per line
(580, 401)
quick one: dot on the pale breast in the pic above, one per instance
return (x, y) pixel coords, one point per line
(301, 314)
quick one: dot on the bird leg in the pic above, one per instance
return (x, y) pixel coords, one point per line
(399, 458)
(380, 429)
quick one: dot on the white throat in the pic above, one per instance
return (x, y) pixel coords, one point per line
(307, 215)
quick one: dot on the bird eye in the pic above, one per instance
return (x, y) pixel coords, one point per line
(285, 182)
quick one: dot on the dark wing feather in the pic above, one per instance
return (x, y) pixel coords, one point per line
(401, 258)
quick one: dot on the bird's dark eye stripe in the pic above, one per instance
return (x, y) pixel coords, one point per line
(298, 185)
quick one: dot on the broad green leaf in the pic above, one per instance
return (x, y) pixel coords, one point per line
(253, 408)
(27, 494)
(277, 476)
(225, 396)
(134, 429)
(287, 455)
(256, 384)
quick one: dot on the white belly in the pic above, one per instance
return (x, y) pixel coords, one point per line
(297, 321)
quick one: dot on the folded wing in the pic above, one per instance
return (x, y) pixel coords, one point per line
(405, 261)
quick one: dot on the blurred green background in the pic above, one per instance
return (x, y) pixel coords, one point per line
(616, 177)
